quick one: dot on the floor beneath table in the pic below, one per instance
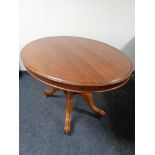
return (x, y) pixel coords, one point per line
(42, 122)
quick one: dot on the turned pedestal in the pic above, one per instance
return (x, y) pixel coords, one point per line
(87, 96)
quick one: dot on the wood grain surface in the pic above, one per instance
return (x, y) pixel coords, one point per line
(78, 66)
(76, 61)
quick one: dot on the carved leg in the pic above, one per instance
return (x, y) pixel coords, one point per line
(49, 92)
(89, 100)
(68, 112)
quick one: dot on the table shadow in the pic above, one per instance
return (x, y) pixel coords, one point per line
(121, 110)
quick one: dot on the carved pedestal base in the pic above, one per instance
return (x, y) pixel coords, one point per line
(87, 96)
(49, 92)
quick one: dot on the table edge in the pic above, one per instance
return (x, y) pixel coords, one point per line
(76, 88)
(79, 83)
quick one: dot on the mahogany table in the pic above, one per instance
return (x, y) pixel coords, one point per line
(77, 66)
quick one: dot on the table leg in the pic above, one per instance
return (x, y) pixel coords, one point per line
(68, 112)
(88, 97)
(49, 92)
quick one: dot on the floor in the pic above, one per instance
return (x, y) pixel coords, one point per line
(42, 122)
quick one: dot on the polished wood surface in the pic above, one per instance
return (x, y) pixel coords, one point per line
(76, 61)
(49, 92)
(77, 66)
(88, 97)
(78, 88)
(68, 112)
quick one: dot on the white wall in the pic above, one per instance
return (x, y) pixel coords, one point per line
(110, 21)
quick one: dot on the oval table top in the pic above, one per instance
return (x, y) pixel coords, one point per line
(67, 62)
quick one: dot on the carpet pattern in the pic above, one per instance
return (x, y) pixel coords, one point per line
(42, 122)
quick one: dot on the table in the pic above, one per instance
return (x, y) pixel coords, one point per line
(78, 66)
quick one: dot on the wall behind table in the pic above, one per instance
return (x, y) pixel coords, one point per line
(110, 21)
